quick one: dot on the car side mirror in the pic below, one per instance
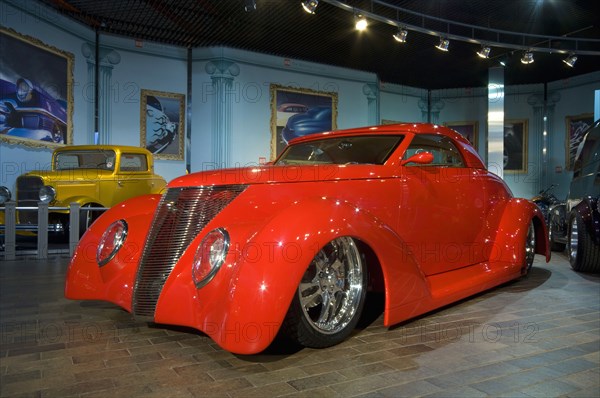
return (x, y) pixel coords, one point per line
(419, 158)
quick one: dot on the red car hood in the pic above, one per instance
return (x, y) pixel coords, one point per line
(280, 174)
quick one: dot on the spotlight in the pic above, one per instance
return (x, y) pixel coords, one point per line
(360, 22)
(484, 52)
(444, 44)
(504, 59)
(570, 60)
(310, 6)
(250, 5)
(527, 58)
(400, 36)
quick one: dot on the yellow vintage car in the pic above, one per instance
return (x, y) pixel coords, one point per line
(91, 175)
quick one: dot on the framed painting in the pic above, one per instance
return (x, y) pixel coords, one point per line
(162, 123)
(515, 146)
(296, 112)
(36, 92)
(575, 127)
(469, 130)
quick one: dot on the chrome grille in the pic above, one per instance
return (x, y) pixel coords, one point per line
(181, 214)
(28, 195)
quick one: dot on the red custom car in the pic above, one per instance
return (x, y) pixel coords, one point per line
(292, 248)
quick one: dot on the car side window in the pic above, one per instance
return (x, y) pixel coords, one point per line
(133, 162)
(445, 153)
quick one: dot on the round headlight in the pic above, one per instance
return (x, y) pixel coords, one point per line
(4, 195)
(47, 193)
(210, 256)
(111, 241)
(24, 88)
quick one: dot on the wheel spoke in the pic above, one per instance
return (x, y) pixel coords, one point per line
(312, 299)
(328, 308)
(321, 261)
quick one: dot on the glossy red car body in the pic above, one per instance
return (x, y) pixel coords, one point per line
(434, 235)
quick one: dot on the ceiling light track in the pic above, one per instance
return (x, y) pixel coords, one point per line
(524, 37)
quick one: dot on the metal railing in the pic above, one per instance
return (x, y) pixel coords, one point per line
(11, 227)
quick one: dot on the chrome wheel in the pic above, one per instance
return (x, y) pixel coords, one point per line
(330, 297)
(530, 247)
(332, 287)
(573, 241)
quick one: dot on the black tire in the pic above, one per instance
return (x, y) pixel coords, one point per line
(584, 254)
(554, 245)
(529, 247)
(330, 298)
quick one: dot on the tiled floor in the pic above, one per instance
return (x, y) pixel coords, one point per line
(535, 337)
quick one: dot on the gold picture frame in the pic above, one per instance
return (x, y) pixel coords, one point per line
(40, 113)
(468, 129)
(515, 146)
(301, 104)
(162, 123)
(575, 127)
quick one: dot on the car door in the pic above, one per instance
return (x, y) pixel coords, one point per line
(132, 178)
(442, 207)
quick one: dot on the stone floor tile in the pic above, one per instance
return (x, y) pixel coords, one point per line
(514, 381)
(269, 390)
(550, 388)
(276, 376)
(410, 389)
(310, 382)
(321, 392)
(457, 392)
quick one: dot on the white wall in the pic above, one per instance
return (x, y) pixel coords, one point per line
(401, 103)
(250, 100)
(149, 67)
(565, 98)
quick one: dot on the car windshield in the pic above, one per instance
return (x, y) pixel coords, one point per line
(88, 159)
(341, 150)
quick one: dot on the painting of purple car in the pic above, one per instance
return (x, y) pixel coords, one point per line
(28, 111)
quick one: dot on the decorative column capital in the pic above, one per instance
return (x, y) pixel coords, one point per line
(371, 91)
(108, 56)
(222, 68)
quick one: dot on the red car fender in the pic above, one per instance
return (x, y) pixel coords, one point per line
(113, 282)
(512, 231)
(243, 307)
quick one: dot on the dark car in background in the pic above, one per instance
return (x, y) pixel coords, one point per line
(575, 223)
(28, 111)
(315, 120)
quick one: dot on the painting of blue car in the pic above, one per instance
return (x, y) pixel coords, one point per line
(28, 111)
(314, 120)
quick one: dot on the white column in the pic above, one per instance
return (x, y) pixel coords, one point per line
(222, 75)
(495, 140)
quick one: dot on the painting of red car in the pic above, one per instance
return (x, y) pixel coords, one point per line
(292, 248)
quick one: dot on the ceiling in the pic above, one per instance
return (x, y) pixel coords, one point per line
(282, 28)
